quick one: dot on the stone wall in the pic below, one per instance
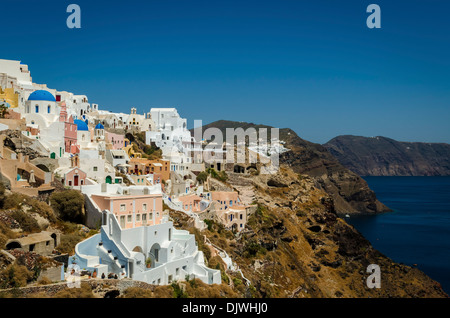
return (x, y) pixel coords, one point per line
(99, 286)
(53, 273)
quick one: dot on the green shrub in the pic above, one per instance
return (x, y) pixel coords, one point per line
(14, 201)
(221, 176)
(42, 208)
(14, 276)
(202, 177)
(209, 223)
(68, 242)
(178, 292)
(237, 281)
(26, 221)
(5, 234)
(68, 205)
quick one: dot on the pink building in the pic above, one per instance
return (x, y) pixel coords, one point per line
(74, 177)
(132, 210)
(70, 130)
(117, 141)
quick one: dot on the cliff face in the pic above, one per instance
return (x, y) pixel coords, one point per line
(350, 193)
(381, 156)
(295, 245)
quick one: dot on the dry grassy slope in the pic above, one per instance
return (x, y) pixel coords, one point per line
(307, 251)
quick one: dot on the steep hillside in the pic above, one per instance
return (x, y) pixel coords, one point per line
(381, 156)
(350, 193)
(295, 245)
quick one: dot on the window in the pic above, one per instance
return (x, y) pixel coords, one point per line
(95, 168)
(177, 271)
(144, 207)
(122, 207)
(170, 279)
(49, 109)
(144, 218)
(150, 216)
(138, 217)
(129, 218)
(37, 108)
(240, 216)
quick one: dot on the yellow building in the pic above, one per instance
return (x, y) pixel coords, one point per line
(9, 96)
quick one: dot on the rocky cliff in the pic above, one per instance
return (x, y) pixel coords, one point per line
(381, 156)
(295, 245)
(350, 193)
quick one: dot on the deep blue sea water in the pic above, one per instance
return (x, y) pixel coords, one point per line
(418, 231)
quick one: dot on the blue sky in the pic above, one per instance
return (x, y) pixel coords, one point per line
(312, 66)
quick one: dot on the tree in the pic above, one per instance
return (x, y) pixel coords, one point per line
(202, 176)
(68, 205)
(3, 109)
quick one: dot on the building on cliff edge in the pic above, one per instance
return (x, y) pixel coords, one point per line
(157, 254)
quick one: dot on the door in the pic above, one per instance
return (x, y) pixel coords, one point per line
(75, 180)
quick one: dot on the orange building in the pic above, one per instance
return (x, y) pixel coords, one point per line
(159, 167)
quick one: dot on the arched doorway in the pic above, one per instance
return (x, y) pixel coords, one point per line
(53, 155)
(13, 245)
(154, 252)
(55, 241)
(108, 179)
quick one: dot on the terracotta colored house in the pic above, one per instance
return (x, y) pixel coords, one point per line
(145, 166)
(190, 202)
(231, 211)
(226, 199)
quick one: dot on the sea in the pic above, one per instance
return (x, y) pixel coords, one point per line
(418, 231)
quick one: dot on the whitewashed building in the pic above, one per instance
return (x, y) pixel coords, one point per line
(171, 254)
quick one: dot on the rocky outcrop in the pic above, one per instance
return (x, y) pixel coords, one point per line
(381, 156)
(350, 192)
